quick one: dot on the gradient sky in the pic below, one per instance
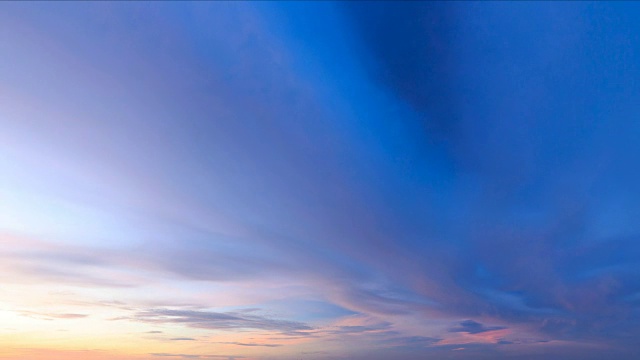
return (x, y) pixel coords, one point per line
(266, 181)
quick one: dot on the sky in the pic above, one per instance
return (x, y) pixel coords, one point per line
(319, 180)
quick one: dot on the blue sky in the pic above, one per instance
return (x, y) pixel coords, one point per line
(321, 180)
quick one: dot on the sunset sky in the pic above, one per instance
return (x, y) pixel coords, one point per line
(319, 180)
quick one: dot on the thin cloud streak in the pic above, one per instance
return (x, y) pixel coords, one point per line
(217, 320)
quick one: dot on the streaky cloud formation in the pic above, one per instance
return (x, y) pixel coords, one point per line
(190, 356)
(319, 180)
(215, 320)
(251, 344)
(474, 327)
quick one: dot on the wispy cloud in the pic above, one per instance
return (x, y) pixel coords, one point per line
(358, 329)
(197, 356)
(52, 316)
(411, 341)
(218, 320)
(250, 344)
(474, 327)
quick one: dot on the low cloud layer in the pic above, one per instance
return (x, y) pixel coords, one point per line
(474, 327)
(218, 321)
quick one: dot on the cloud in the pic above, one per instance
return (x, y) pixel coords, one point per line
(474, 327)
(249, 344)
(359, 329)
(198, 356)
(52, 316)
(68, 316)
(229, 321)
(33, 260)
(411, 341)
